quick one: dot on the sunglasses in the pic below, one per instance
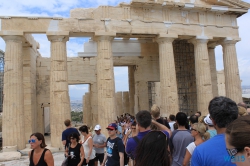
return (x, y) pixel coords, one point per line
(234, 151)
(72, 138)
(193, 129)
(133, 128)
(110, 129)
(31, 141)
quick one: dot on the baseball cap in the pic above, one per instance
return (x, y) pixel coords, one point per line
(97, 127)
(208, 121)
(112, 126)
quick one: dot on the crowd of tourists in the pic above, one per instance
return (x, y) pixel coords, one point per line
(220, 138)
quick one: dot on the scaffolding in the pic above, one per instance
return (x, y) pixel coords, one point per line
(185, 76)
(1, 79)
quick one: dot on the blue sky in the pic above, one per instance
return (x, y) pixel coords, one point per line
(61, 8)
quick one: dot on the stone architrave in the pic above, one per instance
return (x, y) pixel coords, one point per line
(125, 102)
(213, 71)
(168, 85)
(203, 75)
(118, 100)
(105, 79)
(231, 71)
(131, 89)
(13, 103)
(87, 115)
(59, 92)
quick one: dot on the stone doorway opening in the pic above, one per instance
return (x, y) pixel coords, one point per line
(77, 93)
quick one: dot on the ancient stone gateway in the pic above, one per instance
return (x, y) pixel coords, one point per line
(175, 46)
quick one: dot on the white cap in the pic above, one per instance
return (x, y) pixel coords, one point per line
(208, 121)
(97, 127)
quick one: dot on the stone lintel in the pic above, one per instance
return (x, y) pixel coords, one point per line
(11, 33)
(111, 34)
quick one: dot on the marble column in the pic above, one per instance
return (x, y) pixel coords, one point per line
(105, 79)
(93, 104)
(203, 75)
(87, 114)
(131, 79)
(168, 84)
(231, 70)
(13, 102)
(125, 102)
(118, 101)
(213, 70)
(59, 92)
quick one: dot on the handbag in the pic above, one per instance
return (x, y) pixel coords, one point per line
(65, 161)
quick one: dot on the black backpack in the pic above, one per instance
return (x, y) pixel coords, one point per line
(126, 158)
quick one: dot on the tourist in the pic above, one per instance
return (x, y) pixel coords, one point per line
(115, 148)
(87, 143)
(179, 140)
(152, 150)
(193, 119)
(69, 130)
(99, 143)
(74, 151)
(212, 152)
(210, 126)
(144, 120)
(171, 122)
(198, 114)
(155, 112)
(242, 104)
(198, 131)
(39, 155)
(242, 111)
(238, 142)
(119, 129)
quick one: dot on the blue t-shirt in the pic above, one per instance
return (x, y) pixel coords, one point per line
(131, 144)
(67, 132)
(212, 153)
(114, 146)
(119, 128)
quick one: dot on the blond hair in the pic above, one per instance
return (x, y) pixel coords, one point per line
(155, 111)
(201, 128)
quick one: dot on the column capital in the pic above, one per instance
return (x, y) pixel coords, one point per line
(212, 45)
(229, 41)
(104, 36)
(60, 36)
(162, 37)
(14, 38)
(199, 40)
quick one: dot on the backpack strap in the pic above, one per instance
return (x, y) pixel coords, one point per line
(136, 139)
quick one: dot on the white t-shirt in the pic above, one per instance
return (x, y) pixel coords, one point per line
(191, 148)
(171, 124)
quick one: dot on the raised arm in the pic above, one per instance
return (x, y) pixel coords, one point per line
(162, 127)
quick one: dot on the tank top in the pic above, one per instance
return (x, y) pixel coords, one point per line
(41, 161)
(86, 149)
(74, 158)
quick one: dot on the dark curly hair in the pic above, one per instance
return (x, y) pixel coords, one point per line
(223, 111)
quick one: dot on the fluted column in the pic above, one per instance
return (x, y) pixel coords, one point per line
(13, 103)
(118, 102)
(87, 115)
(213, 71)
(125, 102)
(203, 75)
(105, 79)
(93, 104)
(231, 70)
(131, 79)
(59, 92)
(169, 93)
